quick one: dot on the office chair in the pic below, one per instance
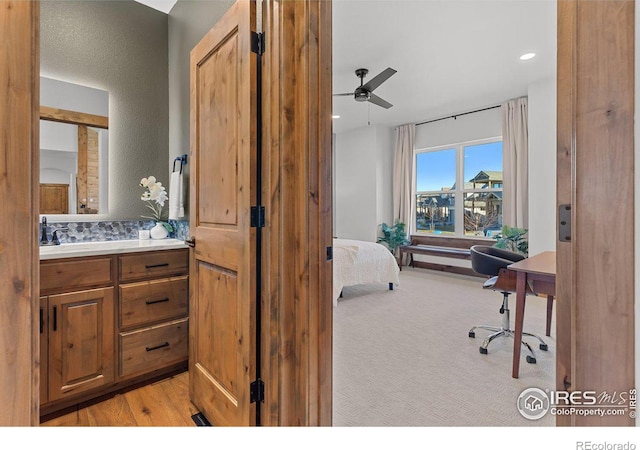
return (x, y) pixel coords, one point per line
(491, 261)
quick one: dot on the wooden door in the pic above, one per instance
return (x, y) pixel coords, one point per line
(595, 277)
(222, 269)
(81, 351)
(54, 198)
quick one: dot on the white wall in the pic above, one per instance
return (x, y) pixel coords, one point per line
(481, 125)
(74, 97)
(363, 172)
(542, 166)
(62, 137)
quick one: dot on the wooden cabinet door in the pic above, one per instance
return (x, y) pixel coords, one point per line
(44, 350)
(81, 342)
(54, 198)
(222, 269)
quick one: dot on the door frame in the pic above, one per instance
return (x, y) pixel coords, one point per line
(595, 346)
(297, 279)
(19, 188)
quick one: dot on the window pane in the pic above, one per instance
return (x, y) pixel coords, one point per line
(483, 166)
(435, 214)
(482, 213)
(436, 171)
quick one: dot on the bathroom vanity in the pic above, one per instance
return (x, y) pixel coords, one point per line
(112, 314)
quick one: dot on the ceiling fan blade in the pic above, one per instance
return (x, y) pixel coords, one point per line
(379, 79)
(343, 95)
(380, 102)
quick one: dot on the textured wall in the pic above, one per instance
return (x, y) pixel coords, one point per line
(121, 47)
(189, 21)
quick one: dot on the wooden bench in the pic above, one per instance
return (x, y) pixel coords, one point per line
(448, 247)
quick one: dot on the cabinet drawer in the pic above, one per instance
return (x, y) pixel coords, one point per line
(153, 348)
(70, 275)
(153, 301)
(151, 265)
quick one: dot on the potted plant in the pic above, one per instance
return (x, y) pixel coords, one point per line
(513, 239)
(154, 197)
(393, 236)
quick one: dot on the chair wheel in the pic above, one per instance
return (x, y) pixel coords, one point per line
(544, 347)
(472, 334)
(531, 359)
(483, 350)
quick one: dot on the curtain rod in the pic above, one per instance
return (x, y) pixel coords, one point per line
(455, 116)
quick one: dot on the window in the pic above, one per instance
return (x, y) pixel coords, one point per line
(459, 189)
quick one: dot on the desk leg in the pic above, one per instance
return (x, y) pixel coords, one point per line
(549, 313)
(521, 285)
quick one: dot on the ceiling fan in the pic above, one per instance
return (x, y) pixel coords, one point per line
(364, 92)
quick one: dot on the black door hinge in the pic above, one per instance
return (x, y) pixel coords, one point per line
(257, 43)
(564, 223)
(257, 391)
(257, 217)
(329, 253)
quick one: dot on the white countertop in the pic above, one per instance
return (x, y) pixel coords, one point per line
(108, 248)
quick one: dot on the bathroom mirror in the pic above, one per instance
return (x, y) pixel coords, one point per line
(74, 144)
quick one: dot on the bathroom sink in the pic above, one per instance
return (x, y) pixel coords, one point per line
(108, 247)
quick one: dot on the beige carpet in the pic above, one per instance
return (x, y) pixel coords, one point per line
(404, 358)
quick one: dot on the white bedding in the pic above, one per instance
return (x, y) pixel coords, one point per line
(361, 262)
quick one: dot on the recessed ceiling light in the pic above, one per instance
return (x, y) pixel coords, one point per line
(527, 56)
(335, 116)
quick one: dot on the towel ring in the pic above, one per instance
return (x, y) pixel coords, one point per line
(182, 159)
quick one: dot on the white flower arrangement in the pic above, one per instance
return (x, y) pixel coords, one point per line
(155, 197)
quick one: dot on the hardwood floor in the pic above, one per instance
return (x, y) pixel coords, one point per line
(164, 403)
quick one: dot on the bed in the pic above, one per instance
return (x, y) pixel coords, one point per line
(361, 262)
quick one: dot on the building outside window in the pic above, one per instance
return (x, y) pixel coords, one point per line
(458, 190)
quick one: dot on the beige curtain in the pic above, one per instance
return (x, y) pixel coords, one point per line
(403, 175)
(515, 148)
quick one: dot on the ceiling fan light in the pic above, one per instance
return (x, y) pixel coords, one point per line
(361, 95)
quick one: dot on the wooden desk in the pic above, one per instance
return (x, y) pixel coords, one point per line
(539, 271)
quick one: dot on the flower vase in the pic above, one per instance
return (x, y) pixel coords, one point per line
(159, 231)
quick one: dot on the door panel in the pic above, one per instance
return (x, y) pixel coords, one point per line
(222, 270)
(218, 91)
(80, 341)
